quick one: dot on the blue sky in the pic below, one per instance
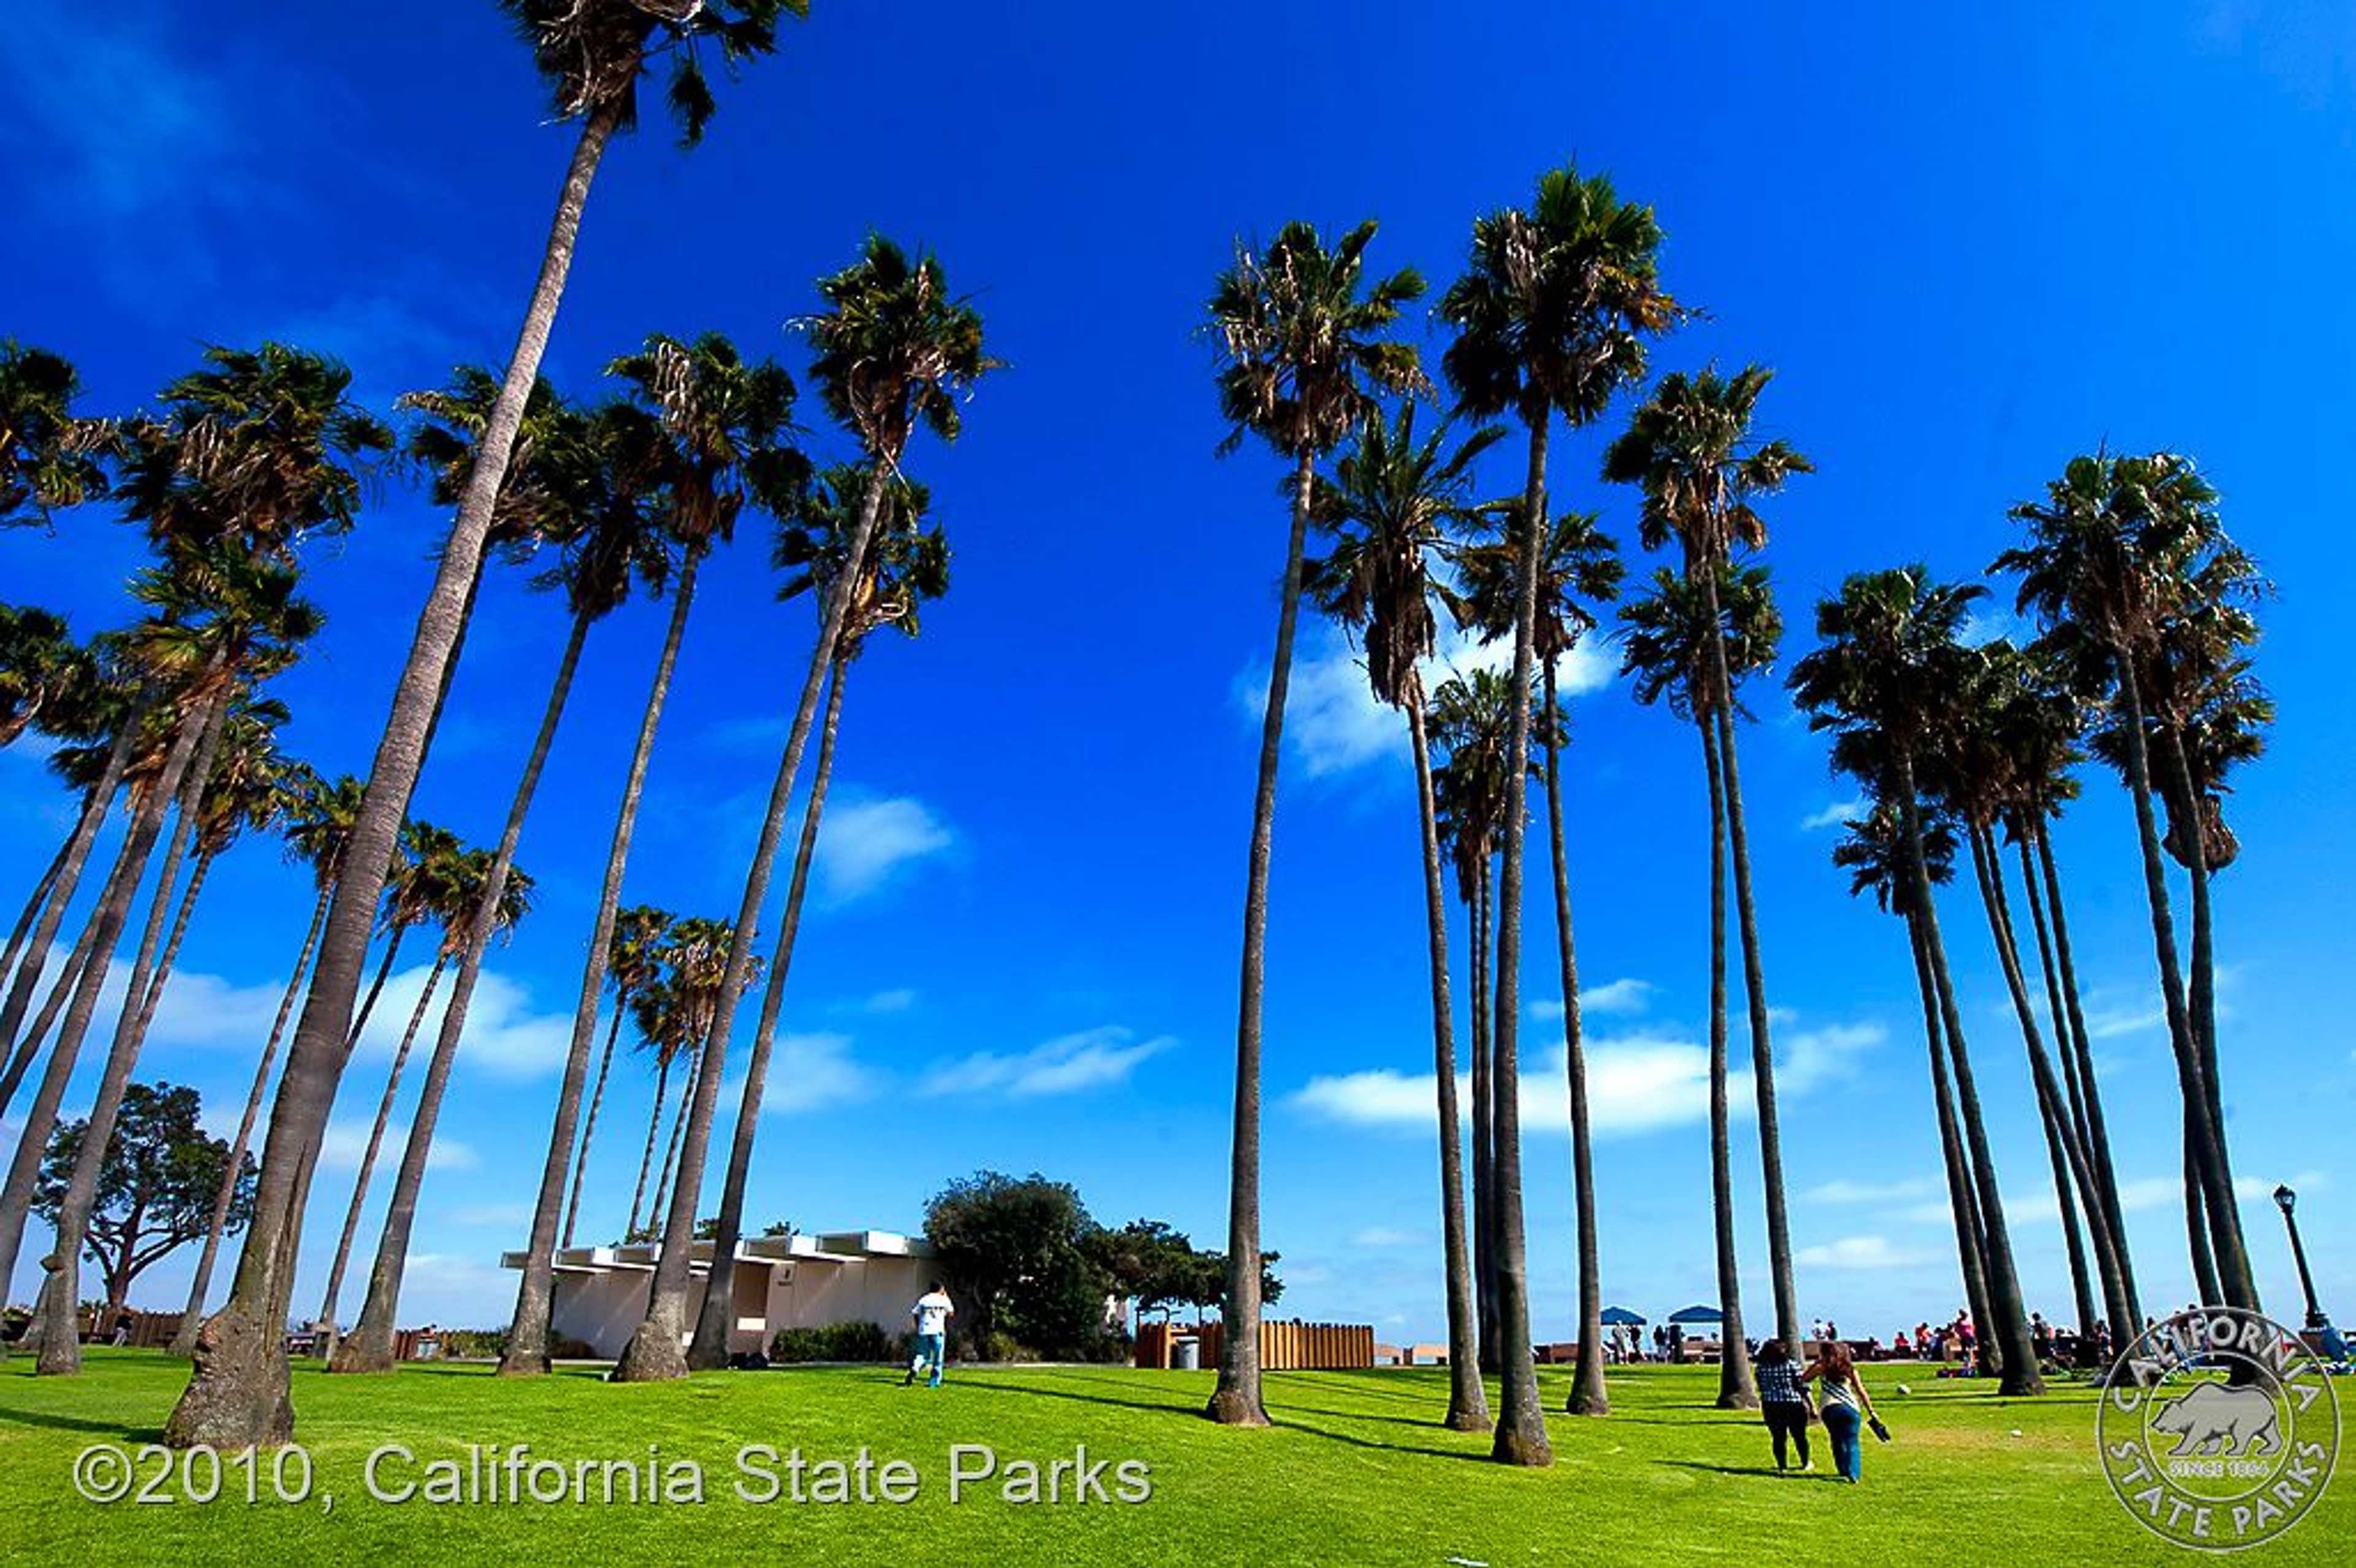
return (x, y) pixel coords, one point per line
(1972, 245)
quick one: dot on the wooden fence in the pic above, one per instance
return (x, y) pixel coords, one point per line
(1283, 1346)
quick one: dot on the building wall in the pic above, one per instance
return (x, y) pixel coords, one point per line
(604, 1308)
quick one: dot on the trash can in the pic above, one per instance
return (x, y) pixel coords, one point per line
(1186, 1354)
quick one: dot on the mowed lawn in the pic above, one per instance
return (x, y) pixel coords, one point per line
(1355, 1472)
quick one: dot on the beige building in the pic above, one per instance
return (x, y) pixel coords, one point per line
(782, 1281)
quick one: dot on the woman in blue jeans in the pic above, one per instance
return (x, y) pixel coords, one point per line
(1846, 1407)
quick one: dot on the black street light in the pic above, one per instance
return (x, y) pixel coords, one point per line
(2316, 1320)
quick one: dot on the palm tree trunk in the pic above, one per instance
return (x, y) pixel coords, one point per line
(372, 1343)
(2008, 1325)
(27, 973)
(376, 988)
(2210, 1184)
(717, 1321)
(2069, 1159)
(1236, 1401)
(1521, 1420)
(106, 922)
(1971, 1248)
(2098, 1137)
(1485, 1231)
(655, 1351)
(1754, 985)
(61, 1349)
(1737, 1388)
(61, 992)
(527, 1350)
(670, 1149)
(367, 1172)
(239, 1392)
(39, 902)
(654, 1126)
(581, 1167)
(2206, 1286)
(1589, 1396)
(2110, 1242)
(184, 1339)
(1467, 1401)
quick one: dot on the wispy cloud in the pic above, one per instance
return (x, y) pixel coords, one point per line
(1332, 722)
(1069, 1064)
(863, 843)
(1382, 1238)
(1861, 1254)
(347, 1141)
(1614, 997)
(1845, 1191)
(813, 1071)
(1833, 815)
(504, 1036)
(898, 1000)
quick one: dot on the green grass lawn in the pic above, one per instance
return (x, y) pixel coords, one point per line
(1354, 1472)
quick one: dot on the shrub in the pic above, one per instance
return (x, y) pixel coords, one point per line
(474, 1344)
(859, 1342)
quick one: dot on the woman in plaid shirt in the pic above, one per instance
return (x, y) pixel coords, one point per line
(1783, 1400)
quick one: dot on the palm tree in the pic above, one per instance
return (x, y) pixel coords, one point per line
(1392, 505)
(906, 565)
(48, 457)
(1690, 452)
(715, 430)
(1885, 676)
(1578, 566)
(2119, 548)
(483, 893)
(1472, 720)
(1667, 648)
(319, 818)
(661, 1030)
(1552, 315)
(436, 882)
(590, 52)
(1298, 330)
(631, 966)
(894, 348)
(1872, 850)
(681, 1020)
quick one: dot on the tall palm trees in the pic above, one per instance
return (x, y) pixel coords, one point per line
(1690, 452)
(1667, 650)
(1300, 357)
(590, 52)
(894, 349)
(631, 966)
(1552, 315)
(717, 435)
(48, 457)
(1392, 504)
(1885, 676)
(2125, 557)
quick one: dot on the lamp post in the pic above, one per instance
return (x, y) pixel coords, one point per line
(2316, 1320)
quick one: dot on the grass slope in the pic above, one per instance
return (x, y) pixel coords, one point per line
(1354, 1472)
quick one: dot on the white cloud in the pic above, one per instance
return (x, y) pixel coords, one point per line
(1068, 1064)
(2247, 1186)
(812, 1072)
(501, 1216)
(2148, 1192)
(1859, 1252)
(1635, 1084)
(1989, 620)
(1615, 996)
(1845, 1191)
(861, 844)
(1833, 815)
(1383, 1237)
(2112, 1021)
(1332, 720)
(504, 1036)
(883, 1002)
(347, 1141)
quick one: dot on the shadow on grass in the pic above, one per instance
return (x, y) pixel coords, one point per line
(80, 1423)
(1281, 1417)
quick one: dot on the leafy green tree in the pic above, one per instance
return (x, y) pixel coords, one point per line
(1300, 358)
(1018, 1253)
(156, 1186)
(50, 456)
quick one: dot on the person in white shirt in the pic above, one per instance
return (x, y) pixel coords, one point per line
(932, 1313)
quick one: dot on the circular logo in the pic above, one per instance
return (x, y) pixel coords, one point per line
(2218, 1429)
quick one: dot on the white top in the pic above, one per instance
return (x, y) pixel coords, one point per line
(932, 1312)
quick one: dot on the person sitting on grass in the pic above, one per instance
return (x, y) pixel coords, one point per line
(1783, 1402)
(932, 1312)
(1847, 1406)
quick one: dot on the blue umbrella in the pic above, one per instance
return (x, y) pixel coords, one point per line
(1620, 1317)
(1698, 1314)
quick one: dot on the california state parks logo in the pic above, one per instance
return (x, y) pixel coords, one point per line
(2218, 1429)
